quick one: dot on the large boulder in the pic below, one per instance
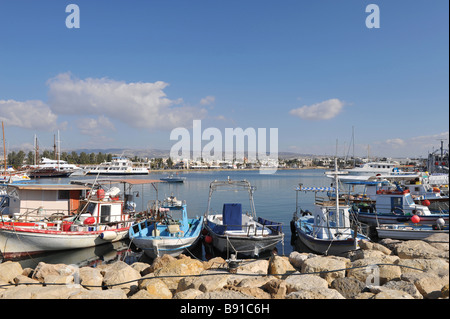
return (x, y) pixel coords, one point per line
(316, 293)
(405, 286)
(157, 288)
(297, 282)
(368, 245)
(297, 259)
(437, 266)
(325, 267)
(121, 275)
(174, 270)
(412, 249)
(53, 271)
(348, 287)
(253, 267)
(375, 271)
(280, 267)
(39, 292)
(91, 278)
(428, 284)
(10, 270)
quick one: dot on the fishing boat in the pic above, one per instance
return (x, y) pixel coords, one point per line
(173, 179)
(119, 165)
(52, 217)
(168, 230)
(393, 205)
(411, 231)
(329, 229)
(236, 232)
(11, 176)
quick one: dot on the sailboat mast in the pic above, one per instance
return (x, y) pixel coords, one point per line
(4, 148)
(59, 150)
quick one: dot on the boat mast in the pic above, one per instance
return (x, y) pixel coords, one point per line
(4, 149)
(58, 151)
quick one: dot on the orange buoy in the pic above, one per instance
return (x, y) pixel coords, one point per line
(415, 219)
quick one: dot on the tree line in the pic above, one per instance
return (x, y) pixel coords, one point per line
(17, 159)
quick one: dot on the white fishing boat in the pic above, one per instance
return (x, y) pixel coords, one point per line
(237, 232)
(388, 204)
(118, 166)
(45, 217)
(175, 231)
(412, 231)
(329, 229)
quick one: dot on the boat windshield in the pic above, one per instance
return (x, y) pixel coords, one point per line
(91, 208)
(409, 200)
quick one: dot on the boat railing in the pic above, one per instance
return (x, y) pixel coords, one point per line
(262, 228)
(40, 213)
(322, 201)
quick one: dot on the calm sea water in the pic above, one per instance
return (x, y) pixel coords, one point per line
(274, 199)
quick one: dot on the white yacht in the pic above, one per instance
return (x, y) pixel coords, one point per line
(363, 172)
(118, 166)
(53, 163)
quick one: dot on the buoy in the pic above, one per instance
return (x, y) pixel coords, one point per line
(100, 194)
(426, 202)
(208, 239)
(204, 232)
(108, 235)
(415, 219)
(440, 222)
(89, 221)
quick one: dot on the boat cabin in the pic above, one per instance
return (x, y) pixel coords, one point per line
(44, 200)
(330, 222)
(398, 202)
(4, 203)
(103, 211)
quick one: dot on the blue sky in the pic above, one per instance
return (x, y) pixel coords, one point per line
(135, 70)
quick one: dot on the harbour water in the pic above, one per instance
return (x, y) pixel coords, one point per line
(274, 199)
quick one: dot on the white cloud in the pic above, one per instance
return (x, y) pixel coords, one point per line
(320, 111)
(396, 142)
(95, 127)
(32, 114)
(208, 100)
(143, 105)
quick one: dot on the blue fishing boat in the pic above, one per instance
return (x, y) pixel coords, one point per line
(329, 229)
(168, 230)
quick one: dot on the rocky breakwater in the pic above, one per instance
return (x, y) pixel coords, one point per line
(386, 270)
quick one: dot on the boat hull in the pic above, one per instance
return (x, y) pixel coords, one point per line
(17, 242)
(373, 219)
(326, 246)
(407, 233)
(157, 246)
(244, 245)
